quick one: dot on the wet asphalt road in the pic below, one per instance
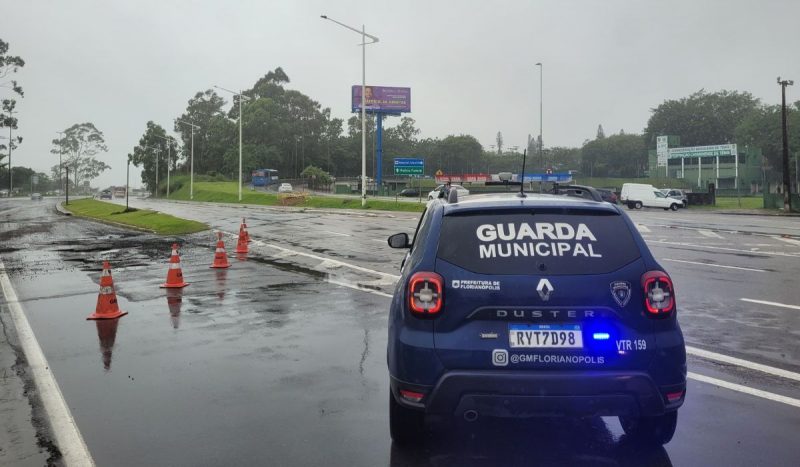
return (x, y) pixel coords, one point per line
(280, 360)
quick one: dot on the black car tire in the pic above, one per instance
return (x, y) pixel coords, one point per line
(674, 206)
(406, 426)
(659, 429)
(637, 205)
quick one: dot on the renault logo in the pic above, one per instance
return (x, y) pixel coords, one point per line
(545, 288)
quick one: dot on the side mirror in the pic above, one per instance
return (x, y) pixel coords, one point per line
(399, 240)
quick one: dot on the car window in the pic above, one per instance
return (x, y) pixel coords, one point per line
(659, 194)
(535, 242)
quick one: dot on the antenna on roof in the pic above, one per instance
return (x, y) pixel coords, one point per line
(522, 180)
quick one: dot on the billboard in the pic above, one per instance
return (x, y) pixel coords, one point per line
(383, 99)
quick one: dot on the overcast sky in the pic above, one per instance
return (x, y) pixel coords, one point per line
(470, 64)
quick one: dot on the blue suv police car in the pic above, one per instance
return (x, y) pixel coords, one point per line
(515, 305)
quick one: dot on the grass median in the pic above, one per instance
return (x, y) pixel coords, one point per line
(162, 224)
(227, 192)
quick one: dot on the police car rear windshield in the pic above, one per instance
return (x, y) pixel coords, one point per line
(529, 242)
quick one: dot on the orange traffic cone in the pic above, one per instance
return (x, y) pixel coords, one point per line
(243, 228)
(107, 307)
(241, 244)
(220, 257)
(175, 273)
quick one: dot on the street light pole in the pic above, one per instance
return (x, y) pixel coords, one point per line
(127, 182)
(787, 187)
(191, 163)
(60, 154)
(169, 159)
(241, 98)
(364, 45)
(541, 137)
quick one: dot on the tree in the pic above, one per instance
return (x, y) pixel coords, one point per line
(9, 65)
(151, 145)
(205, 111)
(79, 145)
(762, 129)
(614, 156)
(600, 133)
(500, 143)
(702, 118)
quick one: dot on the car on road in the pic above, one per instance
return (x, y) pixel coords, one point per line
(435, 193)
(608, 195)
(285, 188)
(105, 194)
(674, 193)
(639, 195)
(517, 306)
(409, 192)
(36, 196)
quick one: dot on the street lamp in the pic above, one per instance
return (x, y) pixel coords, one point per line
(191, 163)
(10, 143)
(169, 160)
(241, 97)
(363, 45)
(541, 138)
(60, 153)
(787, 187)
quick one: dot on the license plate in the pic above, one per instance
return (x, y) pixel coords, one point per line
(545, 336)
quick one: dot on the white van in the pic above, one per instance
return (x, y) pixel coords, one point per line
(638, 195)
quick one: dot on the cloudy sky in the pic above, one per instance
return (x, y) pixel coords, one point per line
(470, 64)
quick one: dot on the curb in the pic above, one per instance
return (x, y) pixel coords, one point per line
(348, 212)
(62, 210)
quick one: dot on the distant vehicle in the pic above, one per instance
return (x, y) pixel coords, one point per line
(639, 195)
(119, 192)
(607, 195)
(36, 196)
(285, 188)
(3, 193)
(439, 189)
(578, 191)
(105, 194)
(512, 306)
(676, 194)
(409, 192)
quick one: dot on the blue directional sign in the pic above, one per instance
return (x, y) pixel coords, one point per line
(408, 166)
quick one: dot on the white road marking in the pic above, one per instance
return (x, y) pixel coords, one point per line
(642, 228)
(708, 233)
(336, 233)
(791, 241)
(67, 436)
(738, 250)
(359, 288)
(742, 363)
(764, 302)
(745, 389)
(714, 265)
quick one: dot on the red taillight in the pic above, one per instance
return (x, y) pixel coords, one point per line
(425, 293)
(659, 295)
(674, 396)
(411, 396)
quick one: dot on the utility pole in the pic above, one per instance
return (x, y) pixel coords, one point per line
(787, 187)
(67, 186)
(127, 182)
(541, 97)
(191, 159)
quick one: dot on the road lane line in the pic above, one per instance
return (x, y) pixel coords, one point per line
(791, 241)
(68, 437)
(737, 250)
(764, 302)
(742, 363)
(708, 233)
(745, 389)
(642, 228)
(714, 265)
(359, 288)
(336, 233)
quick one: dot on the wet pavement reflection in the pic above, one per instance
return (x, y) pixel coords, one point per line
(538, 441)
(107, 334)
(174, 302)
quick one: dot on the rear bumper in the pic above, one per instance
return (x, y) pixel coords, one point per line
(526, 394)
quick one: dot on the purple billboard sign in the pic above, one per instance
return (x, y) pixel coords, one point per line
(383, 99)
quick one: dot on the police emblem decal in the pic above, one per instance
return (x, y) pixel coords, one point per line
(621, 291)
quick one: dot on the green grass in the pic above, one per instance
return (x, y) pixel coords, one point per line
(227, 192)
(750, 202)
(162, 224)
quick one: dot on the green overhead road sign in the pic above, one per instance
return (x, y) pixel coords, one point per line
(407, 166)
